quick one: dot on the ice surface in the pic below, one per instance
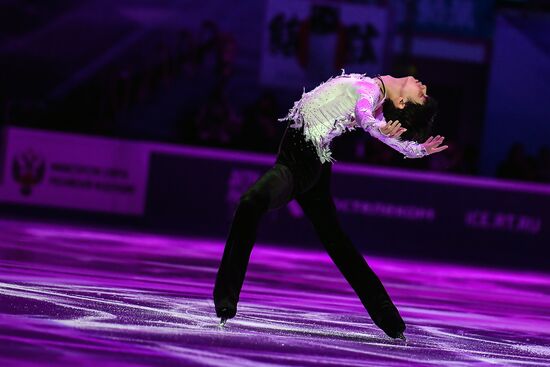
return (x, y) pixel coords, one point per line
(89, 297)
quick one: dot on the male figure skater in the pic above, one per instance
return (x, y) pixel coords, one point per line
(302, 171)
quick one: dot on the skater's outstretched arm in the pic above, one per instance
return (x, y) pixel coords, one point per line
(374, 122)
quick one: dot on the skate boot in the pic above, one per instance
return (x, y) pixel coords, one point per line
(225, 311)
(385, 315)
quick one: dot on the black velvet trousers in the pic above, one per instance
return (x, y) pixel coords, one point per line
(297, 173)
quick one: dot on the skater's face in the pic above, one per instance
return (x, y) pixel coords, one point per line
(410, 90)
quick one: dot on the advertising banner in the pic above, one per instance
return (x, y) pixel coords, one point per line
(305, 42)
(446, 18)
(195, 191)
(72, 171)
(389, 211)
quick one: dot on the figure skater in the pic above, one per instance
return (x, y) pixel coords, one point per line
(302, 170)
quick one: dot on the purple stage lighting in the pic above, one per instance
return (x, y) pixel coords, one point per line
(86, 297)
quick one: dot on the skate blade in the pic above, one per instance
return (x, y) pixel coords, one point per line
(222, 322)
(401, 336)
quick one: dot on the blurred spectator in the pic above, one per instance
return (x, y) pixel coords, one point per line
(375, 152)
(259, 131)
(216, 51)
(208, 47)
(517, 164)
(218, 122)
(470, 160)
(448, 159)
(186, 53)
(165, 67)
(543, 164)
(228, 47)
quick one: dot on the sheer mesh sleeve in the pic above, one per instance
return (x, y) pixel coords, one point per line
(372, 122)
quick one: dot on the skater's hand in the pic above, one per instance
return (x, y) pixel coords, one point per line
(431, 144)
(392, 129)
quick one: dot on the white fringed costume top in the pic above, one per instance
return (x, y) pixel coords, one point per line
(341, 104)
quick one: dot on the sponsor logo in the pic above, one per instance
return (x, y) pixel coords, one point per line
(28, 169)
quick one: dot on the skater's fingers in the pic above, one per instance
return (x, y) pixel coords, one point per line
(401, 131)
(436, 141)
(396, 127)
(439, 141)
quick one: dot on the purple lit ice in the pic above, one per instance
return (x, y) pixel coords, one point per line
(94, 297)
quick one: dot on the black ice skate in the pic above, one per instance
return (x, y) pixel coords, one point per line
(225, 313)
(385, 315)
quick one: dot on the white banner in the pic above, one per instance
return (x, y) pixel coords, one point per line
(306, 42)
(72, 171)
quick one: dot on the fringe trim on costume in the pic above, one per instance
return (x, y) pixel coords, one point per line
(341, 115)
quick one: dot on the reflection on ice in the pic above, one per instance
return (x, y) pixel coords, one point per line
(73, 296)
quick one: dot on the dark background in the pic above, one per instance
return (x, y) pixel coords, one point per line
(188, 72)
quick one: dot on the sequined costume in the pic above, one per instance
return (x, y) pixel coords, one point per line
(341, 104)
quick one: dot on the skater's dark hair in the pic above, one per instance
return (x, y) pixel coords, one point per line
(417, 118)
